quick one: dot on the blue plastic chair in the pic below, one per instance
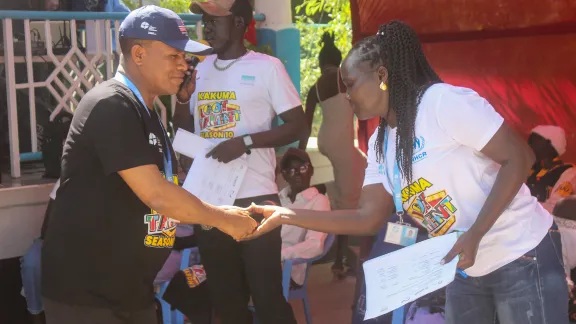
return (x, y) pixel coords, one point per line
(170, 316)
(302, 292)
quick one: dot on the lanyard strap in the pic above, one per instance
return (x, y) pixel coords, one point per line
(397, 183)
(167, 155)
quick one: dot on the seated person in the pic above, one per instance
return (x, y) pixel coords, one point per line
(550, 179)
(299, 242)
(30, 264)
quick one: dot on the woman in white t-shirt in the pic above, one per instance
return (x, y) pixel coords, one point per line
(460, 168)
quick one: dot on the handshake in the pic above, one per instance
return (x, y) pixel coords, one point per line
(239, 223)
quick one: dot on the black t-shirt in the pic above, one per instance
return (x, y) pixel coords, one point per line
(104, 246)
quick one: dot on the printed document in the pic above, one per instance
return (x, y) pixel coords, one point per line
(402, 276)
(211, 181)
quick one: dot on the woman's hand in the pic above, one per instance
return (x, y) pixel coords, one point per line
(273, 217)
(466, 247)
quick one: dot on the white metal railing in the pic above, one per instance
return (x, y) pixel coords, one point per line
(76, 70)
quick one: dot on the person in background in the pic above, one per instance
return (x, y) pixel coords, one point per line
(336, 140)
(443, 156)
(553, 183)
(298, 242)
(550, 178)
(239, 92)
(31, 267)
(566, 207)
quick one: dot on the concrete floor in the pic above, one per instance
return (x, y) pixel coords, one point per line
(330, 300)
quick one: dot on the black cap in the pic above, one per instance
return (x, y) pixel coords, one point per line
(160, 24)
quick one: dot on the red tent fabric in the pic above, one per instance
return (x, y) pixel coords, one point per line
(519, 56)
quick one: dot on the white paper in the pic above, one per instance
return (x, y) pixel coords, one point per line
(190, 144)
(402, 276)
(214, 182)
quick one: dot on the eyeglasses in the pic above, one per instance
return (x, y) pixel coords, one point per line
(291, 171)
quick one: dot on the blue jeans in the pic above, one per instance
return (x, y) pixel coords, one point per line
(30, 272)
(530, 290)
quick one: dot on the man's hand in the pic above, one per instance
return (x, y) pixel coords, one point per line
(228, 150)
(466, 247)
(237, 222)
(189, 85)
(273, 216)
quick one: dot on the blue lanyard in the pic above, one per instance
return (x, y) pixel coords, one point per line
(397, 183)
(167, 156)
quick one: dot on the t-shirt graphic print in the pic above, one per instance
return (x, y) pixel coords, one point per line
(433, 208)
(218, 114)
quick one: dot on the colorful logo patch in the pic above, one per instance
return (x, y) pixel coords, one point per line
(195, 275)
(161, 231)
(435, 212)
(218, 117)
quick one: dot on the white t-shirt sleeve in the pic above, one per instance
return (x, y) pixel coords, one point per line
(283, 94)
(466, 117)
(375, 171)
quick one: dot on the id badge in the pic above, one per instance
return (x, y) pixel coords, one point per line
(401, 234)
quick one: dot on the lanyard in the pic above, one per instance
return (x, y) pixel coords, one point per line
(397, 183)
(167, 156)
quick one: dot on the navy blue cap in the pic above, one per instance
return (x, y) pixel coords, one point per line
(160, 24)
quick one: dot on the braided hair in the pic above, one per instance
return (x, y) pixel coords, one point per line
(329, 54)
(396, 47)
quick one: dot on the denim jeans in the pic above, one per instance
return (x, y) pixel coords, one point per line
(530, 290)
(30, 272)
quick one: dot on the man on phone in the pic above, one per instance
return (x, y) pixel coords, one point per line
(237, 95)
(114, 222)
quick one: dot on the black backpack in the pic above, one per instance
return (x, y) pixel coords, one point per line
(55, 133)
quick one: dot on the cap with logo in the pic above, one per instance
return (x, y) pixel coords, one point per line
(160, 24)
(294, 153)
(220, 8)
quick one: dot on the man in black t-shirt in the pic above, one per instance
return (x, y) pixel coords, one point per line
(113, 224)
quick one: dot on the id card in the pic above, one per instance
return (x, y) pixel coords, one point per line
(401, 234)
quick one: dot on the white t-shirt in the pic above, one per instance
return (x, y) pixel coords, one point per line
(452, 178)
(242, 100)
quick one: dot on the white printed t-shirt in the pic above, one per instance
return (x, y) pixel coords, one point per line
(452, 178)
(242, 100)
